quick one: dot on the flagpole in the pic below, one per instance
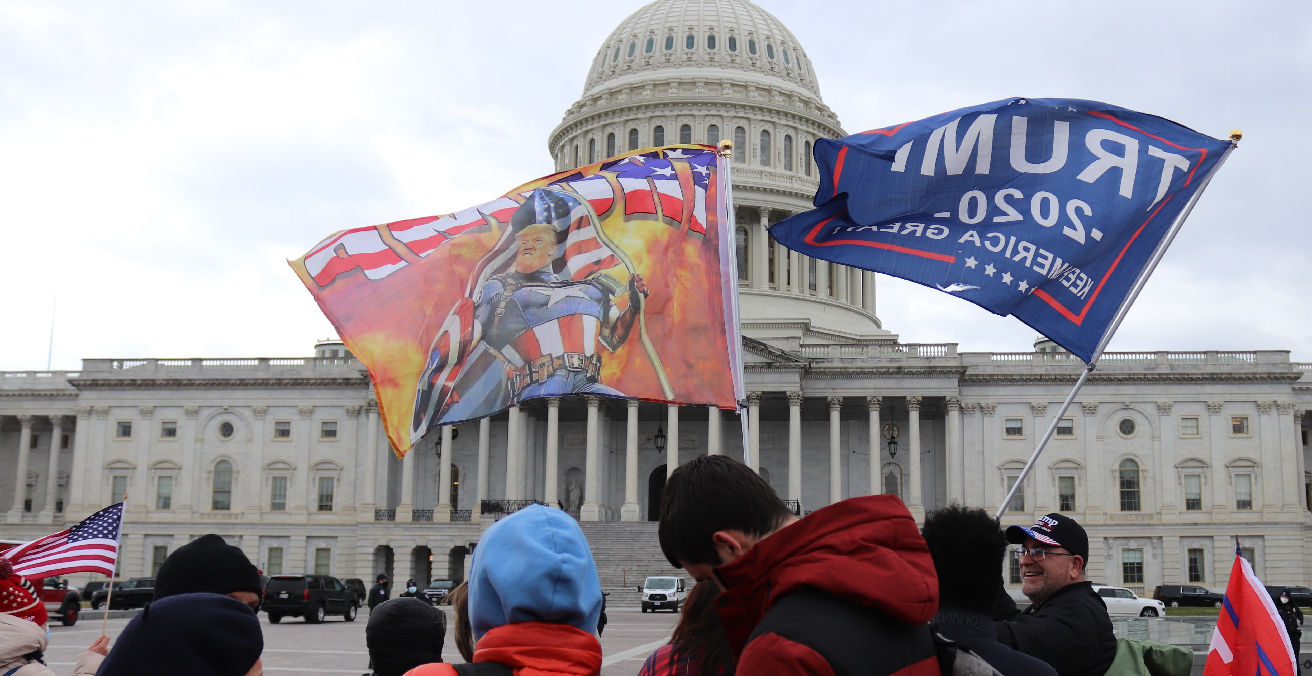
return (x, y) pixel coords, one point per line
(104, 620)
(1116, 323)
(725, 151)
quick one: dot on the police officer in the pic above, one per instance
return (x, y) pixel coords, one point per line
(379, 592)
(1292, 616)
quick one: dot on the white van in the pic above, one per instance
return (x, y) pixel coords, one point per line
(663, 592)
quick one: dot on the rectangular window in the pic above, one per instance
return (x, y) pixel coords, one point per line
(1197, 565)
(168, 430)
(164, 493)
(1131, 566)
(273, 562)
(1193, 492)
(1013, 567)
(1014, 427)
(278, 494)
(1188, 427)
(124, 429)
(118, 487)
(326, 493)
(1017, 503)
(282, 429)
(33, 441)
(1066, 428)
(1243, 491)
(1066, 493)
(328, 429)
(157, 555)
(1239, 424)
(1250, 555)
(323, 561)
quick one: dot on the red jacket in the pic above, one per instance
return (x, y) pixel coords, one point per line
(848, 589)
(532, 649)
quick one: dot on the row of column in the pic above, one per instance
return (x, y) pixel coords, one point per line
(47, 514)
(849, 285)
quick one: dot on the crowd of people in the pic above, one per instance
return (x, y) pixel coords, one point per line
(853, 588)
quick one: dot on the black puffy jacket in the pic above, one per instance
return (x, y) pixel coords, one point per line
(403, 634)
(1070, 631)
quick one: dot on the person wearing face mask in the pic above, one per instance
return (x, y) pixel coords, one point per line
(411, 590)
(1292, 616)
(25, 631)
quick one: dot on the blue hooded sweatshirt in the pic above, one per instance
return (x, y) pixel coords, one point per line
(534, 566)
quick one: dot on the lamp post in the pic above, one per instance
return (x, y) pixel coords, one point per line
(891, 433)
(660, 439)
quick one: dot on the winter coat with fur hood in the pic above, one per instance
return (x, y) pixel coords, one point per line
(19, 637)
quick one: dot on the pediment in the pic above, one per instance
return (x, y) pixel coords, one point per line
(757, 352)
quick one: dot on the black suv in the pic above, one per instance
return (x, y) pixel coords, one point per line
(313, 597)
(133, 593)
(1175, 595)
(437, 591)
(356, 585)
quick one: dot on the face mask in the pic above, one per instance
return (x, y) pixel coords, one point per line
(1284, 599)
(413, 590)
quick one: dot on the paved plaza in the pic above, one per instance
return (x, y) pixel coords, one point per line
(338, 647)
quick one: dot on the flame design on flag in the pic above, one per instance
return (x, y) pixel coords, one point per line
(1249, 638)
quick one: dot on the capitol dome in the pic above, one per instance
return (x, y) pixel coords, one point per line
(698, 71)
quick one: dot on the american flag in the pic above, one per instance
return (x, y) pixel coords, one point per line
(89, 547)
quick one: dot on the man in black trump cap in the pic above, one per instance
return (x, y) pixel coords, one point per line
(208, 564)
(1067, 624)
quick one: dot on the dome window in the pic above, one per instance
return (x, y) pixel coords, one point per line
(769, 50)
(710, 41)
(740, 251)
(806, 161)
(733, 43)
(786, 60)
(633, 139)
(765, 148)
(690, 42)
(633, 47)
(610, 144)
(669, 43)
(658, 136)
(751, 47)
(713, 134)
(740, 141)
(615, 58)
(685, 134)
(651, 44)
(592, 151)
(788, 152)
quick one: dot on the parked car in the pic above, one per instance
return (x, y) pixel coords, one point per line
(1123, 602)
(437, 591)
(133, 593)
(1299, 596)
(357, 586)
(89, 589)
(662, 592)
(1176, 595)
(63, 601)
(312, 597)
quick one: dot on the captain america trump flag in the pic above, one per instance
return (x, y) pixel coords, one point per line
(614, 279)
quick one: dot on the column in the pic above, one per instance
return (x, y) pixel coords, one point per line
(405, 511)
(760, 276)
(754, 430)
(549, 493)
(917, 504)
(835, 450)
(868, 291)
(192, 473)
(854, 286)
(371, 455)
(443, 510)
(795, 445)
(1219, 433)
(52, 471)
(302, 497)
(591, 511)
(254, 484)
(484, 458)
(1166, 475)
(803, 274)
(795, 264)
(74, 498)
(956, 454)
(631, 511)
(822, 278)
(513, 467)
(713, 436)
(20, 475)
(1093, 495)
(780, 265)
(1291, 451)
(672, 445)
(1299, 457)
(874, 404)
(1045, 499)
(840, 283)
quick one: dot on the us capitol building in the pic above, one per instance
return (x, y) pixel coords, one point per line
(1167, 457)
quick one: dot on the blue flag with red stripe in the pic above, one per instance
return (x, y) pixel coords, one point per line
(1048, 210)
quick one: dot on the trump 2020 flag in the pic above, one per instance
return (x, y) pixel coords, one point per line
(615, 279)
(1249, 637)
(1045, 209)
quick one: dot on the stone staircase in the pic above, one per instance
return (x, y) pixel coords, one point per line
(627, 553)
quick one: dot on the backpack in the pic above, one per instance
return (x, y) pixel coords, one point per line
(482, 669)
(957, 660)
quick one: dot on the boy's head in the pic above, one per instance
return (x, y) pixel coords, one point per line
(967, 546)
(712, 506)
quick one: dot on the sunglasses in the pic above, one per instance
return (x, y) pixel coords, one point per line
(1038, 554)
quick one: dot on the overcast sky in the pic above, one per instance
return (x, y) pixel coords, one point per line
(159, 161)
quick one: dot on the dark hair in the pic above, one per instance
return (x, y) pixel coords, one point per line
(464, 634)
(700, 634)
(967, 546)
(712, 493)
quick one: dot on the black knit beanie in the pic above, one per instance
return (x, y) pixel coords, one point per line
(403, 634)
(206, 564)
(193, 634)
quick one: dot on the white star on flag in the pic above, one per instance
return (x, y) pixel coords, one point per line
(1006, 278)
(989, 269)
(701, 169)
(555, 295)
(970, 262)
(1022, 286)
(677, 152)
(664, 171)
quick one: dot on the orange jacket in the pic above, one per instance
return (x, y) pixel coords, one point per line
(532, 649)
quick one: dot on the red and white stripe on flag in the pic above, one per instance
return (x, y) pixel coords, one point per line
(1249, 638)
(91, 546)
(342, 253)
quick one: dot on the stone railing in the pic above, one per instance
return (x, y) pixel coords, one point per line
(35, 380)
(176, 367)
(384, 515)
(1131, 358)
(879, 350)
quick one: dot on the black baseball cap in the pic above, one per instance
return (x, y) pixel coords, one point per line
(1054, 529)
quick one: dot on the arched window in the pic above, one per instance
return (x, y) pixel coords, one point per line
(786, 61)
(658, 136)
(669, 43)
(690, 42)
(713, 134)
(576, 154)
(222, 496)
(751, 48)
(633, 139)
(610, 144)
(788, 152)
(633, 47)
(765, 148)
(710, 41)
(615, 58)
(651, 44)
(806, 150)
(769, 50)
(733, 43)
(740, 142)
(892, 479)
(685, 134)
(592, 150)
(740, 251)
(1129, 470)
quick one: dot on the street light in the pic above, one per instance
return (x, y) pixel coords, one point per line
(892, 432)
(660, 439)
